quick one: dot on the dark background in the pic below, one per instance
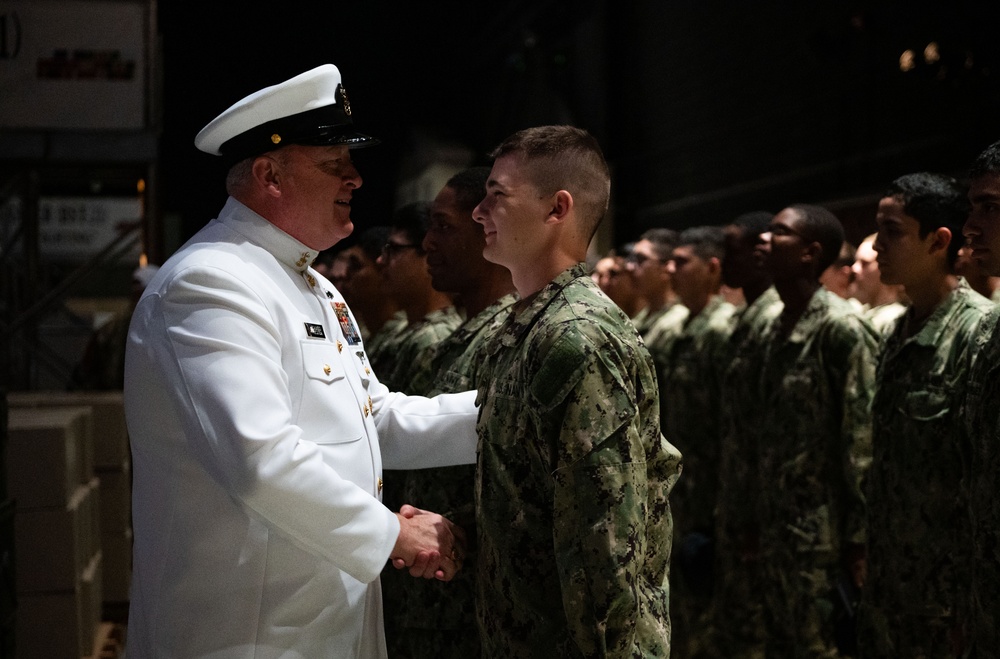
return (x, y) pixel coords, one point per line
(705, 109)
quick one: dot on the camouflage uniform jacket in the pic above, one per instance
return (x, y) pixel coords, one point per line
(413, 341)
(917, 522)
(690, 366)
(883, 317)
(666, 326)
(572, 483)
(456, 361)
(740, 398)
(982, 415)
(380, 348)
(815, 428)
(645, 320)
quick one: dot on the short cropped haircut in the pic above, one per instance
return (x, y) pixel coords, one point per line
(663, 241)
(753, 223)
(987, 163)
(707, 242)
(469, 186)
(564, 158)
(412, 220)
(935, 201)
(822, 226)
(239, 176)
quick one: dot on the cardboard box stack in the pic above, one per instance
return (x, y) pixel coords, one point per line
(50, 476)
(112, 465)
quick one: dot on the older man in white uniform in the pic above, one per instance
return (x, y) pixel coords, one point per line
(258, 430)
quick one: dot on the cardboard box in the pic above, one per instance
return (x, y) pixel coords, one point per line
(110, 434)
(55, 545)
(48, 454)
(116, 548)
(61, 624)
(116, 498)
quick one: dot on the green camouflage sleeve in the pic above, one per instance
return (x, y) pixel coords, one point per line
(859, 389)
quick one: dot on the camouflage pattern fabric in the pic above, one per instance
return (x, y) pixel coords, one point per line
(572, 483)
(666, 326)
(414, 340)
(690, 367)
(429, 619)
(737, 616)
(814, 447)
(883, 317)
(397, 357)
(918, 529)
(380, 347)
(456, 362)
(982, 416)
(689, 364)
(646, 320)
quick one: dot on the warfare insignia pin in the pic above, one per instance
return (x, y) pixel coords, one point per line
(343, 100)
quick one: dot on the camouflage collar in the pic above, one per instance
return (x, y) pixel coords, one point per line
(936, 325)
(522, 319)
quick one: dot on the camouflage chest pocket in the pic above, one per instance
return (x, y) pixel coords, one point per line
(801, 385)
(927, 405)
(327, 397)
(503, 415)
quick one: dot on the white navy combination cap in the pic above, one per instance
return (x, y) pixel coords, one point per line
(309, 109)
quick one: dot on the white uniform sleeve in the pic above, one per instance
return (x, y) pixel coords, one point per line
(418, 433)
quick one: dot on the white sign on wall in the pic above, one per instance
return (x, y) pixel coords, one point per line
(67, 64)
(76, 228)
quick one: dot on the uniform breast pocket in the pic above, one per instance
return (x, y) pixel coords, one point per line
(330, 410)
(503, 417)
(801, 385)
(928, 405)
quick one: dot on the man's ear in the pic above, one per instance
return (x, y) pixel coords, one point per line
(942, 238)
(812, 253)
(268, 175)
(562, 204)
(714, 266)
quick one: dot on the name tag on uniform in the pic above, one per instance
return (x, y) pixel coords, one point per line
(314, 331)
(347, 326)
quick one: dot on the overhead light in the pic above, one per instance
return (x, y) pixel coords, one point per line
(931, 54)
(907, 61)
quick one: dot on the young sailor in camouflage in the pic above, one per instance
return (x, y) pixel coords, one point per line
(816, 384)
(689, 364)
(918, 530)
(982, 413)
(574, 523)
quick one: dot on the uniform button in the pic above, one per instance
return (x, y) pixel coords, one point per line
(368, 371)
(380, 485)
(340, 346)
(327, 369)
(365, 408)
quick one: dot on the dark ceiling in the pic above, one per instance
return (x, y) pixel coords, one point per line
(703, 108)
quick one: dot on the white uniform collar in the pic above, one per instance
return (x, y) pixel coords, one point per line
(260, 231)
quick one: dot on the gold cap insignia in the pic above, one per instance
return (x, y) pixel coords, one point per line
(275, 138)
(343, 100)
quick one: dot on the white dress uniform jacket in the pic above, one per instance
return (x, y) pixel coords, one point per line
(255, 425)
